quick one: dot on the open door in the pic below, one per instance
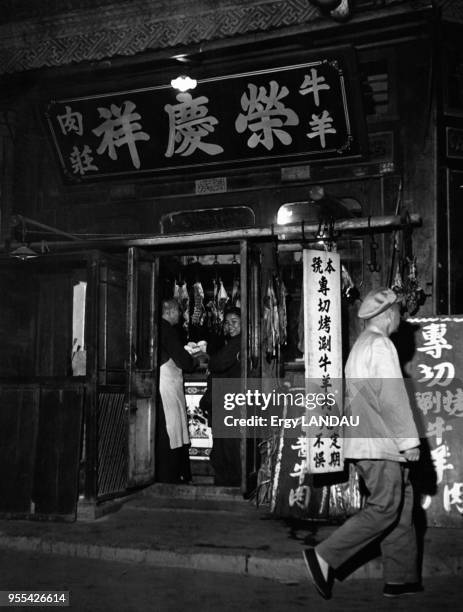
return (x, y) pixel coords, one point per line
(141, 365)
(119, 426)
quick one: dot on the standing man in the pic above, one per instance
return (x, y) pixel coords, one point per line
(381, 446)
(225, 363)
(173, 462)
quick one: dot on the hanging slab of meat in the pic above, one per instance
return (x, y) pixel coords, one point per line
(348, 289)
(414, 293)
(176, 292)
(271, 323)
(199, 312)
(211, 309)
(184, 300)
(236, 296)
(222, 299)
(211, 315)
(398, 281)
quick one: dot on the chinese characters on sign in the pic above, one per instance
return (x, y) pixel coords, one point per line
(316, 448)
(288, 111)
(293, 493)
(265, 116)
(436, 368)
(323, 354)
(188, 125)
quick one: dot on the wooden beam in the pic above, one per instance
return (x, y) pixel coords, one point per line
(282, 232)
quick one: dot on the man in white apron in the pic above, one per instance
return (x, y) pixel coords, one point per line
(173, 438)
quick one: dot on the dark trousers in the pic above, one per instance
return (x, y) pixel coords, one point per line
(226, 462)
(172, 464)
(387, 515)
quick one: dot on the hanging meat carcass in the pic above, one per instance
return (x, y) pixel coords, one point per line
(199, 312)
(222, 299)
(348, 290)
(271, 326)
(176, 292)
(212, 315)
(236, 295)
(184, 301)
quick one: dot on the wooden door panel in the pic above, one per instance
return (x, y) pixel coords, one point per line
(18, 435)
(142, 363)
(58, 451)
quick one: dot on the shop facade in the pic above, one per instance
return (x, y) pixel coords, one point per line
(315, 126)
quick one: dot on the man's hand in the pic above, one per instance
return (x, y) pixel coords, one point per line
(412, 454)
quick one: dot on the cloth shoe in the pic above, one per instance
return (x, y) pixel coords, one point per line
(406, 588)
(323, 586)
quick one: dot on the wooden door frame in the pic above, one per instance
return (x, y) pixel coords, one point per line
(136, 257)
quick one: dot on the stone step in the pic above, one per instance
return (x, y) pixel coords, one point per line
(202, 480)
(201, 468)
(193, 492)
(188, 507)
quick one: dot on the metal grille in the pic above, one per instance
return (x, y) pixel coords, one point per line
(112, 444)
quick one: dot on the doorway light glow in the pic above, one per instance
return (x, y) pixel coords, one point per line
(284, 216)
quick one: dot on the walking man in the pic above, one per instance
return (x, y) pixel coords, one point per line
(381, 446)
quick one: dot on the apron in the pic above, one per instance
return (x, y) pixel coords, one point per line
(173, 403)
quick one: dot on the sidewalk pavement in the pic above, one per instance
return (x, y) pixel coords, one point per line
(207, 529)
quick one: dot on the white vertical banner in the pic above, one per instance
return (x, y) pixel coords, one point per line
(323, 360)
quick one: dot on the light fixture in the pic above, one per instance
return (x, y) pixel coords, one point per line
(23, 252)
(284, 216)
(183, 83)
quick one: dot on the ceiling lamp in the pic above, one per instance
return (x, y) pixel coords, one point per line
(183, 83)
(284, 216)
(23, 253)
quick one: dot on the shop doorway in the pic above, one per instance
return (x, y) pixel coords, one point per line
(206, 285)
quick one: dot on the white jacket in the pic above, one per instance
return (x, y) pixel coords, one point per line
(376, 394)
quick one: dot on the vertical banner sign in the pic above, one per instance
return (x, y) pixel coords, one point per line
(323, 360)
(437, 372)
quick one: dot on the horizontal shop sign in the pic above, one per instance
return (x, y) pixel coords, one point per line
(307, 111)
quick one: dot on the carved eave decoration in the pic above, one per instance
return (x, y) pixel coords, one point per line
(40, 37)
(452, 10)
(128, 28)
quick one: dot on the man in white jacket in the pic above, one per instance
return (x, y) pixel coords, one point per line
(382, 444)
